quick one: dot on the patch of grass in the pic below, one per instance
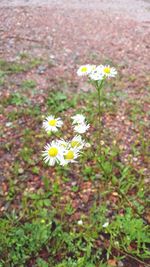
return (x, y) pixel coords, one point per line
(41, 263)
(135, 110)
(44, 226)
(24, 111)
(23, 55)
(88, 173)
(69, 209)
(15, 67)
(43, 207)
(34, 62)
(12, 67)
(126, 230)
(26, 154)
(17, 99)
(3, 63)
(14, 115)
(2, 78)
(58, 102)
(22, 241)
(33, 112)
(28, 84)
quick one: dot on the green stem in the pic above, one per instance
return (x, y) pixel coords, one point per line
(99, 88)
(99, 118)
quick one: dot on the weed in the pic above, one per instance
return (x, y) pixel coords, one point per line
(18, 67)
(69, 209)
(17, 99)
(26, 154)
(41, 263)
(127, 230)
(59, 102)
(23, 55)
(34, 62)
(22, 241)
(2, 78)
(28, 84)
(11, 67)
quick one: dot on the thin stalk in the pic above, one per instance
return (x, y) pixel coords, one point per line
(99, 88)
(127, 254)
(99, 118)
(131, 256)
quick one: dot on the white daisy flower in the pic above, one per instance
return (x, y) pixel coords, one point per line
(53, 153)
(51, 124)
(85, 70)
(78, 118)
(70, 155)
(81, 128)
(77, 141)
(107, 71)
(96, 74)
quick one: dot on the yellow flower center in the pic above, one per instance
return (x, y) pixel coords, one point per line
(52, 122)
(75, 143)
(84, 69)
(107, 70)
(53, 151)
(69, 155)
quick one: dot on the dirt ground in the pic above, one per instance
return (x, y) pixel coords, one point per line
(136, 8)
(70, 31)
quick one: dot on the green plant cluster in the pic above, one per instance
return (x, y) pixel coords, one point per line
(37, 227)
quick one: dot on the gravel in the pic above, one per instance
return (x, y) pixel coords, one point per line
(139, 9)
(77, 31)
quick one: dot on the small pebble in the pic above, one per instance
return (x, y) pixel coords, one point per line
(41, 69)
(80, 222)
(105, 224)
(8, 124)
(120, 264)
(74, 183)
(20, 171)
